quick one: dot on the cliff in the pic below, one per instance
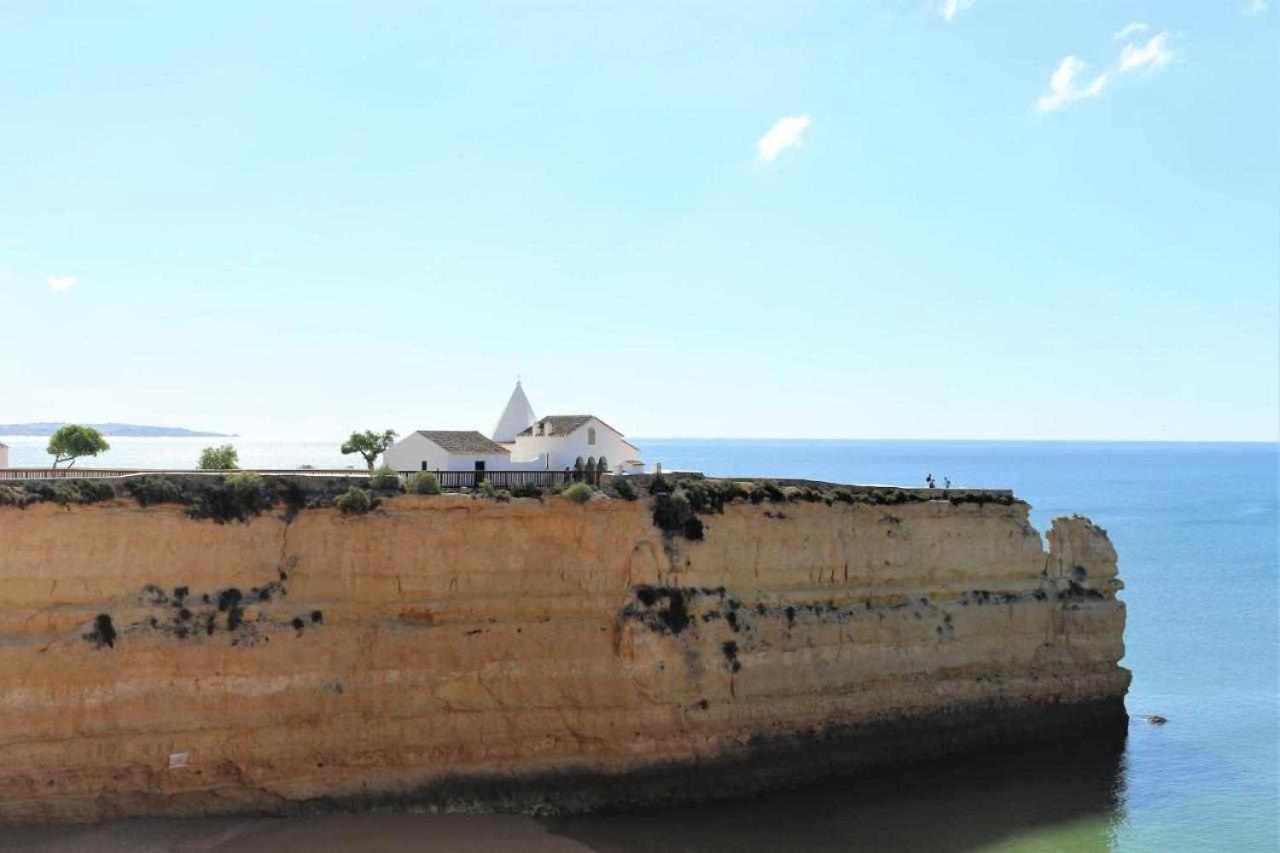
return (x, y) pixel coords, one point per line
(530, 654)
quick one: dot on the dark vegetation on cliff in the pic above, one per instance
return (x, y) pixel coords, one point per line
(678, 501)
(245, 617)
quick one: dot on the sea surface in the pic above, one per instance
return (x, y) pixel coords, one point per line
(1196, 527)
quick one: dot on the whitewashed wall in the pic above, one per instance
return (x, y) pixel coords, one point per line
(561, 451)
(4, 456)
(410, 452)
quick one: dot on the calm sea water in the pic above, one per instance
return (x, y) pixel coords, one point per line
(1196, 528)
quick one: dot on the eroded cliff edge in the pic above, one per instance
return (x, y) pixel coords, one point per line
(531, 654)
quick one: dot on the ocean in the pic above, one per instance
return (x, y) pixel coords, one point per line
(1196, 528)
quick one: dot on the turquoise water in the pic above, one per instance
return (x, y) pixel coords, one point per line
(1196, 529)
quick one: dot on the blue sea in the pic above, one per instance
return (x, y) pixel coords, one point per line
(1196, 527)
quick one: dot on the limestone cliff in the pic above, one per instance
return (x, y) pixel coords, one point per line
(530, 654)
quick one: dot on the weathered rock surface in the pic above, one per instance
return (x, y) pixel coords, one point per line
(530, 655)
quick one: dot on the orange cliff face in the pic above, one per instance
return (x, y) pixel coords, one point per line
(530, 655)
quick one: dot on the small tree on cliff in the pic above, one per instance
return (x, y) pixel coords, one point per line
(369, 444)
(222, 458)
(73, 441)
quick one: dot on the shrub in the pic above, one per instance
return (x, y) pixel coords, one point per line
(154, 489)
(526, 490)
(671, 512)
(9, 496)
(424, 483)
(354, 501)
(579, 493)
(91, 491)
(222, 458)
(659, 485)
(238, 497)
(487, 489)
(69, 491)
(384, 479)
(625, 490)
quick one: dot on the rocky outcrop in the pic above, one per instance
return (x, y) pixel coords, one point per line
(532, 654)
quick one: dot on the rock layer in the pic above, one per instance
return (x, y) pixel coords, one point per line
(530, 655)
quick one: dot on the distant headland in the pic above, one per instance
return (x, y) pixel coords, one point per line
(49, 428)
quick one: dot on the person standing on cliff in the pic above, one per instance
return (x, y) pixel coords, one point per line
(928, 480)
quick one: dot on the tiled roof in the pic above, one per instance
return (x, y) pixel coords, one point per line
(559, 424)
(462, 441)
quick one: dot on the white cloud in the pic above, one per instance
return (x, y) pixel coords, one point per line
(1129, 29)
(59, 283)
(1150, 56)
(786, 132)
(1065, 88)
(1256, 7)
(951, 8)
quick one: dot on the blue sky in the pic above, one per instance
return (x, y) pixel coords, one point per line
(883, 220)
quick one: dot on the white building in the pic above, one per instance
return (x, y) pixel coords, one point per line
(447, 450)
(515, 417)
(521, 442)
(4, 455)
(559, 441)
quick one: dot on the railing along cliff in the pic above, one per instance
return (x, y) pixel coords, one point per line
(113, 473)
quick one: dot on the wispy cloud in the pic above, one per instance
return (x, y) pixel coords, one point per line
(1256, 7)
(951, 8)
(1129, 29)
(1066, 84)
(787, 132)
(1150, 56)
(59, 283)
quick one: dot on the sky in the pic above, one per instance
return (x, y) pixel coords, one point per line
(972, 219)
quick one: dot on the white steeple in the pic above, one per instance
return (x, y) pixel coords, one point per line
(516, 417)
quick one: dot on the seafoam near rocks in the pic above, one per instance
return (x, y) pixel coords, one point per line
(530, 655)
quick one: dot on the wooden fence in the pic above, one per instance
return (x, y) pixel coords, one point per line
(448, 479)
(500, 479)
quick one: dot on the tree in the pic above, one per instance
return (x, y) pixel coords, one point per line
(73, 441)
(223, 458)
(369, 444)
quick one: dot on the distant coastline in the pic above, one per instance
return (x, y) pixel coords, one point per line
(139, 430)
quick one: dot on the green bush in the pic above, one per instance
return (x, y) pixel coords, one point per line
(625, 490)
(71, 491)
(424, 483)
(767, 491)
(13, 496)
(579, 493)
(672, 511)
(154, 489)
(526, 490)
(354, 501)
(384, 479)
(222, 458)
(659, 485)
(238, 497)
